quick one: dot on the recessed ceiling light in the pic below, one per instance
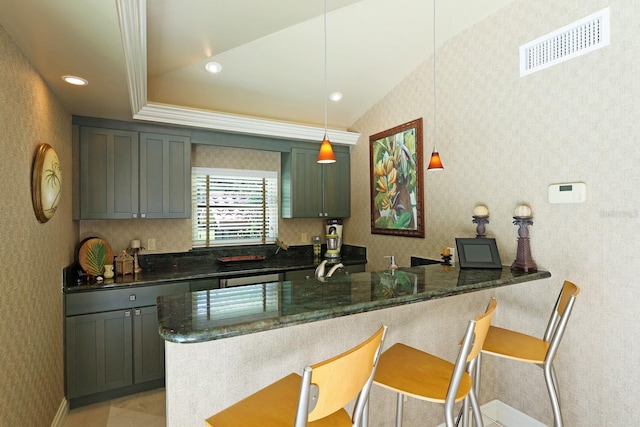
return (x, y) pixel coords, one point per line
(74, 80)
(213, 67)
(335, 96)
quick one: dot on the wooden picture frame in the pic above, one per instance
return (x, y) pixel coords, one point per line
(46, 183)
(396, 181)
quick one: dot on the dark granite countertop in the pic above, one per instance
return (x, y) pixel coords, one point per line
(202, 264)
(221, 313)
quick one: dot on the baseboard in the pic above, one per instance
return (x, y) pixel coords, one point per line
(61, 415)
(508, 416)
(505, 415)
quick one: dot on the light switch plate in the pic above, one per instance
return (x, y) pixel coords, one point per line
(570, 192)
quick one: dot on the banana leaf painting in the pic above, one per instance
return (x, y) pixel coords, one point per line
(396, 181)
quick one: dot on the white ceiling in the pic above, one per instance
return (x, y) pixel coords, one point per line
(152, 54)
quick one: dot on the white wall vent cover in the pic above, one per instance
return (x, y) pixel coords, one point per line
(581, 37)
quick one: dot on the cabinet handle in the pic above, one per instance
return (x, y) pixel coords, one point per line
(143, 215)
(134, 215)
(137, 312)
(132, 297)
(127, 313)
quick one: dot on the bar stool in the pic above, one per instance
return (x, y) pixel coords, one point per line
(317, 398)
(525, 348)
(412, 372)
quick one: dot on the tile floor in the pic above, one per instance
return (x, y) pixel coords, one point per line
(146, 409)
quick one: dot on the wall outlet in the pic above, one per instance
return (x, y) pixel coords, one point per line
(151, 244)
(304, 238)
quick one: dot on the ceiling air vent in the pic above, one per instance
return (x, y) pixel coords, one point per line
(583, 36)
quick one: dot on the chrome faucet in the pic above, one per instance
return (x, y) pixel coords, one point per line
(334, 268)
(320, 269)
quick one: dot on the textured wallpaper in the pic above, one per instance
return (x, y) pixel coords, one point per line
(503, 139)
(32, 254)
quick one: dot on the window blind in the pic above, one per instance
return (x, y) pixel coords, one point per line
(233, 206)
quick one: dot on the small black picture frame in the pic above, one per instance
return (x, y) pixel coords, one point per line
(478, 253)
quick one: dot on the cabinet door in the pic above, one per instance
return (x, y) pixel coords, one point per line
(301, 180)
(165, 176)
(108, 173)
(148, 346)
(99, 352)
(337, 187)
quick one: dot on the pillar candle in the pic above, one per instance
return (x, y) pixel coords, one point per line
(523, 210)
(480, 210)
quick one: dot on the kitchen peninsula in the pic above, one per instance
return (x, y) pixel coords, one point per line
(222, 345)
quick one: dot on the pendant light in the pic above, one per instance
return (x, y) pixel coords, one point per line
(435, 164)
(326, 152)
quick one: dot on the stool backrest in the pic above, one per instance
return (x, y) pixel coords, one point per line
(559, 317)
(470, 347)
(481, 329)
(330, 385)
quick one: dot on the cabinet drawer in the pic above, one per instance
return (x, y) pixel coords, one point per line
(115, 299)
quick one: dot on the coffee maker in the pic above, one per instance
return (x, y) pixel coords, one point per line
(334, 239)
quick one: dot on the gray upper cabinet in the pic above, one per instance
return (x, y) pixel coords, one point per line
(165, 176)
(108, 173)
(126, 174)
(312, 190)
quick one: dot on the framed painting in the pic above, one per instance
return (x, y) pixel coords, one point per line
(396, 181)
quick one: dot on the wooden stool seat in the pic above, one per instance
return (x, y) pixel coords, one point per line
(412, 372)
(540, 351)
(515, 345)
(403, 369)
(317, 398)
(273, 406)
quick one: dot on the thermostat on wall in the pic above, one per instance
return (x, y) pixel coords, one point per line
(571, 192)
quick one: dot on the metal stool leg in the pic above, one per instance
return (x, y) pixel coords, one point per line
(550, 380)
(399, 405)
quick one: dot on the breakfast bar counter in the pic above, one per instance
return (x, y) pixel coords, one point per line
(223, 345)
(222, 313)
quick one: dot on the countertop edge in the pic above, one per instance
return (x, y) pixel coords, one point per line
(262, 325)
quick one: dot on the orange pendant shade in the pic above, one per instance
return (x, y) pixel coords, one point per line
(435, 164)
(326, 152)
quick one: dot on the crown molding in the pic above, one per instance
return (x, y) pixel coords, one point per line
(132, 15)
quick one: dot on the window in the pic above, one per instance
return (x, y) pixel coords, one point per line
(233, 206)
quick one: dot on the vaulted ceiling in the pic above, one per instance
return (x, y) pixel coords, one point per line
(139, 54)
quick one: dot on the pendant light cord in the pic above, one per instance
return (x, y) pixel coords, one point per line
(435, 103)
(326, 89)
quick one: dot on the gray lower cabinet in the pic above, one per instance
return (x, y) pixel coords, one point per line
(112, 342)
(312, 190)
(126, 174)
(99, 352)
